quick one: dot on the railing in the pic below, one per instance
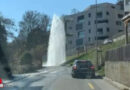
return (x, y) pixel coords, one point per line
(119, 54)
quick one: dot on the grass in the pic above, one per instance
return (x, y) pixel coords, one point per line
(101, 72)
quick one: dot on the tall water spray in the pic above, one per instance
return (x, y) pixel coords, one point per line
(56, 48)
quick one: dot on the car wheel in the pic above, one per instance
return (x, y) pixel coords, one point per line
(89, 75)
(93, 75)
(73, 76)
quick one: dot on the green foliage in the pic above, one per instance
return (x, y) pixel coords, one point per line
(101, 72)
(3, 36)
(26, 58)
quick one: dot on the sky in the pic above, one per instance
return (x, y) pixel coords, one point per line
(15, 9)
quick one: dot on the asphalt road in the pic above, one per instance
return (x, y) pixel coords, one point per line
(58, 78)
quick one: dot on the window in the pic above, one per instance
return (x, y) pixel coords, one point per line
(79, 42)
(102, 21)
(81, 34)
(66, 25)
(100, 31)
(89, 23)
(95, 22)
(89, 15)
(79, 26)
(89, 30)
(70, 27)
(80, 19)
(113, 7)
(118, 23)
(70, 42)
(108, 30)
(102, 37)
(89, 39)
(107, 13)
(95, 38)
(99, 15)
(120, 16)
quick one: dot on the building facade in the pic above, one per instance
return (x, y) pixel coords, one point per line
(81, 29)
(127, 5)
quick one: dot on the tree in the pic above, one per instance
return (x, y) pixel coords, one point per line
(37, 37)
(33, 34)
(3, 36)
(5, 24)
(32, 20)
(38, 54)
(26, 58)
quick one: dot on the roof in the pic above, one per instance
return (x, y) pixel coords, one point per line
(126, 17)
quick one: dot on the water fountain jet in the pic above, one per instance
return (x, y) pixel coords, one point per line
(56, 49)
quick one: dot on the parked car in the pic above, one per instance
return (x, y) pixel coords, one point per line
(107, 41)
(83, 68)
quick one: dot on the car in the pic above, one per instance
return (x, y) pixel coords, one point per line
(83, 68)
(107, 41)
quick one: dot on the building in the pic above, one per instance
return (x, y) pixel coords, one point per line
(121, 4)
(81, 27)
(127, 5)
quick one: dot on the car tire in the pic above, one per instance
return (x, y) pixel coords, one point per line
(93, 75)
(73, 76)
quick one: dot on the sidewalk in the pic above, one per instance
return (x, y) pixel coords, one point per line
(116, 84)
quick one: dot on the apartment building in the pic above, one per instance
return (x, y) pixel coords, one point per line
(84, 28)
(127, 5)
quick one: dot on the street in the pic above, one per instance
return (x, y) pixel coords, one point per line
(58, 78)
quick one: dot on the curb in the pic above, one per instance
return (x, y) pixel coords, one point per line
(116, 84)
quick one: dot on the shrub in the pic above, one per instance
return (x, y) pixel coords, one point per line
(26, 58)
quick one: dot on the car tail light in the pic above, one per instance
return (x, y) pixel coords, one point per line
(92, 67)
(74, 67)
(1, 83)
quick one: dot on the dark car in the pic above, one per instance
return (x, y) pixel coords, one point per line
(83, 68)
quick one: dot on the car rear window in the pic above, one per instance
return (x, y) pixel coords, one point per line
(84, 64)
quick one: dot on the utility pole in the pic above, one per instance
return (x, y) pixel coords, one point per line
(97, 63)
(126, 33)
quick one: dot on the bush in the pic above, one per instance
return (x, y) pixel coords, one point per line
(26, 58)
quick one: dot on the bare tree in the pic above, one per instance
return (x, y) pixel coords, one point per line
(32, 20)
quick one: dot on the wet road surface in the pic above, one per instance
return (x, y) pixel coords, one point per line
(58, 78)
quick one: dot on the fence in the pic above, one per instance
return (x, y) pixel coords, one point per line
(119, 54)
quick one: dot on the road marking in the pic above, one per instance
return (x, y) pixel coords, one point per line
(91, 86)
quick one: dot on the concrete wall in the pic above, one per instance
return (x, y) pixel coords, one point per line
(118, 71)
